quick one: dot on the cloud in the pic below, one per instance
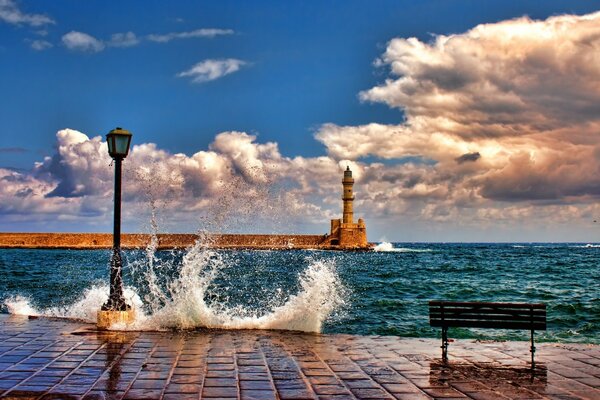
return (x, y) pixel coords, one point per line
(209, 70)
(521, 97)
(204, 33)
(10, 13)
(501, 131)
(76, 182)
(79, 41)
(40, 45)
(127, 39)
(204, 190)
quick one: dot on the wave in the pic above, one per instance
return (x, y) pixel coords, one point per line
(588, 246)
(182, 303)
(388, 247)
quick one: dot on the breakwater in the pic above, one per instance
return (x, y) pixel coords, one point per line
(87, 241)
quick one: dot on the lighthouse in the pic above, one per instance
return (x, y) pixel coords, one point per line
(345, 233)
(348, 197)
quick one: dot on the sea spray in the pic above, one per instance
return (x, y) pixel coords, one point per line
(175, 290)
(388, 247)
(176, 293)
(84, 309)
(20, 305)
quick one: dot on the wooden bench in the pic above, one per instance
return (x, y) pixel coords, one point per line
(449, 314)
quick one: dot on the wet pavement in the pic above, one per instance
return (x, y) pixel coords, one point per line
(58, 359)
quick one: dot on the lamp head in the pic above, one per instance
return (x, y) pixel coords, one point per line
(118, 141)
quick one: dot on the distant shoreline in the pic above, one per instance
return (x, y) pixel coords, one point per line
(166, 241)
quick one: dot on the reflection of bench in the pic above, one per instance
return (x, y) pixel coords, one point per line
(448, 314)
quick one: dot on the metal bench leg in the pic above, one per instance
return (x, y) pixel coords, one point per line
(532, 352)
(445, 343)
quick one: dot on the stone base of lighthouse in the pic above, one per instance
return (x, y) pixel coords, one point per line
(348, 236)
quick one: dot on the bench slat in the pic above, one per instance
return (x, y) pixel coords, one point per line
(495, 317)
(485, 304)
(453, 310)
(488, 324)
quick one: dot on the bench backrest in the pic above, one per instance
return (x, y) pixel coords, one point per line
(487, 315)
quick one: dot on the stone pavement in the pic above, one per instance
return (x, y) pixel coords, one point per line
(58, 359)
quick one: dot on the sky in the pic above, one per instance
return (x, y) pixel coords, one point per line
(461, 120)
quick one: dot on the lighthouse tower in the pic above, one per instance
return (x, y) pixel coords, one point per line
(348, 197)
(345, 233)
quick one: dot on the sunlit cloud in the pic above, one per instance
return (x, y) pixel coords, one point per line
(508, 111)
(501, 128)
(209, 70)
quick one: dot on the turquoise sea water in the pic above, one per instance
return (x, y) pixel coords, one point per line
(380, 293)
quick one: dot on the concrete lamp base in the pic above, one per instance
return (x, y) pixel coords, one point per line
(107, 318)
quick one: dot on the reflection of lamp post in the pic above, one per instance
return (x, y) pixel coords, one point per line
(115, 309)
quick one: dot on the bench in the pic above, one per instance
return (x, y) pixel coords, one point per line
(450, 314)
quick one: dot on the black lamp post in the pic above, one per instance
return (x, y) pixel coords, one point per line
(118, 141)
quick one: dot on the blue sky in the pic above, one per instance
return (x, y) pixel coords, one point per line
(307, 61)
(304, 77)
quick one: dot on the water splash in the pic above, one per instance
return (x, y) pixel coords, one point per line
(170, 291)
(185, 301)
(388, 247)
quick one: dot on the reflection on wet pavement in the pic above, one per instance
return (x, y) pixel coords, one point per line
(59, 359)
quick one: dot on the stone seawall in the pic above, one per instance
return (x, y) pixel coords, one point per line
(166, 241)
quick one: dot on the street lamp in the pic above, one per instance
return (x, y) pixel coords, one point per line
(115, 309)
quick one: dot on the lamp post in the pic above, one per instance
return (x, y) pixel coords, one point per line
(116, 309)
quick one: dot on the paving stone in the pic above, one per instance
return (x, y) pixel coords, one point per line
(257, 395)
(183, 388)
(180, 396)
(219, 392)
(143, 394)
(220, 382)
(368, 393)
(256, 385)
(39, 359)
(330, 389)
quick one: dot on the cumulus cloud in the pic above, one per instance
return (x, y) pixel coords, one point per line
(209, 70)
(80, 41)
(202, 33)
(10, 13)
(77, 182)
(127, 39)
(519, 97)
(500, 129)
(40, 45)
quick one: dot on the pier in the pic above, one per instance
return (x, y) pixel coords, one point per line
(60, 359)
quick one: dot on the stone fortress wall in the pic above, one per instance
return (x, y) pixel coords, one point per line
(345, 234)
(165, 241)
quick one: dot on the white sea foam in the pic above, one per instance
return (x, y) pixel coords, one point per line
(388, 247)
(19, 305)
(589, 246)
(183, 304)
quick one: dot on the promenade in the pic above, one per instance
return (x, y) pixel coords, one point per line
(57, 359)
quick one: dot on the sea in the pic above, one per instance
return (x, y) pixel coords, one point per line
(380, 292)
